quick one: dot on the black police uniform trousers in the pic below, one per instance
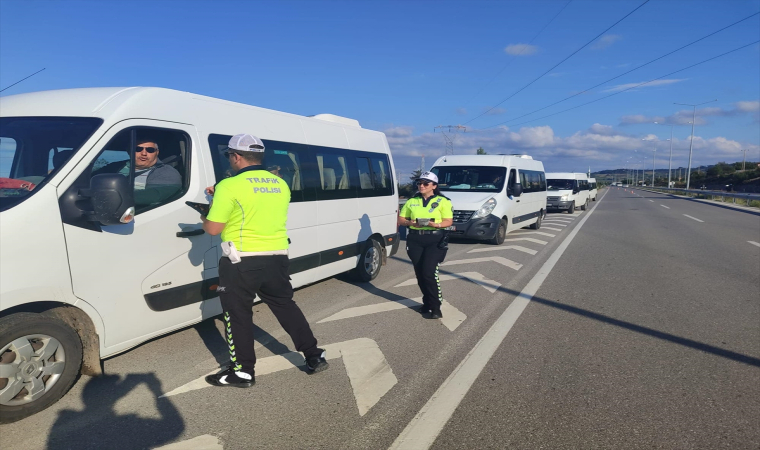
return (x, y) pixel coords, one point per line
(267, 276)
(426, 256)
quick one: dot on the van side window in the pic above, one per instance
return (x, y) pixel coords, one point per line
(333, 171)
(381, 173)
(161, 163)
(365, 176)
(533, 180)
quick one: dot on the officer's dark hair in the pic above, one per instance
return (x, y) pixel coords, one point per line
(252, 157)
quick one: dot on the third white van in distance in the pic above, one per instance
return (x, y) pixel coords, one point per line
(567, 191)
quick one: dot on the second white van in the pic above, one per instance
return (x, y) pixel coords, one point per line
(592, 191)
(567, 191)
(492, 194)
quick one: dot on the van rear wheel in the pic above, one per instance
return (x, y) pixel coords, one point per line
(501, 233)
(370, 261)
(40, 358)
(537, 225)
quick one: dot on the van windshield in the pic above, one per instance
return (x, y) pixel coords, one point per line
(559, 185)
(470, 178)
(32, 149)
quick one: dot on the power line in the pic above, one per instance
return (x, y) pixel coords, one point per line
(559, 63)
(19, 81)
(513, 56)
(634, 87)
(632, 70)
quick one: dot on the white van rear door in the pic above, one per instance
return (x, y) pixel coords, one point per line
(147, 277)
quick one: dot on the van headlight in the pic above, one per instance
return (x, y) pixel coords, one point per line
(564, 198)
(485, 209)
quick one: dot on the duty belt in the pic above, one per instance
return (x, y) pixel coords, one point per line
(413, 231)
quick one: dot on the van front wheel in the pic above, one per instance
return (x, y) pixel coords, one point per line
(370, 261)
(584, 206)
(571, 208)
(501, 233)
(40, 357)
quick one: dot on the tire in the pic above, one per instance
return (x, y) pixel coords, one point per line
(584, 206)
(370, 261)
(571, 208)
(501, 233)
(537, 225)
(47, 355)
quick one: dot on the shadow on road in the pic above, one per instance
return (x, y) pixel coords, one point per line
(99, 426)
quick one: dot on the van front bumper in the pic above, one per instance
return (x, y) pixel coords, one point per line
(482, 228)
(556, 204)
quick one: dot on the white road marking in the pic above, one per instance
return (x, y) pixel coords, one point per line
(370, 375)
(756, 244)
(204, 442)
(693, 218)
(535, 241)
(522, 233)
(452, 317)
(422, 431)
(550, 228)
(504, 247)
(497, 259)
(555, 224)
(477, 278)
(666, 207)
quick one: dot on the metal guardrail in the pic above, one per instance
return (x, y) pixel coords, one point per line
(698, 192)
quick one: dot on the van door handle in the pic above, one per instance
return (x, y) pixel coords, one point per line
(518, 201)
(184, 234)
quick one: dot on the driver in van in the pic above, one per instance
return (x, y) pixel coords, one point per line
(154, 180)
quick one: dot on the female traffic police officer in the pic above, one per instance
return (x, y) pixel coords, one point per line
(426, 214)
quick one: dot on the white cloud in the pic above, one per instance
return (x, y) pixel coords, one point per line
(606, 41)
(494, 111)
(622, 87)
(684, 116)
(521, 49)
(600, 146)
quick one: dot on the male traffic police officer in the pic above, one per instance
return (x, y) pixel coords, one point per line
(250, 210)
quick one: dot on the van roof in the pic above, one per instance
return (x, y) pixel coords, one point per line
(524, 161)
(566, 175)
(128, 101)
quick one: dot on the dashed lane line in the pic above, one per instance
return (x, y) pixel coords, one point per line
(693, 218)
(666, 207)
(756, 244)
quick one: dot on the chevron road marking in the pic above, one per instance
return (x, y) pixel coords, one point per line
(370, 375)
(535, 241)
(204, 442)
(555, 224)
(504, 247)
(497, 259)
(553, 229)
(477, 278)
(452, 317)
(756, 244)
(521, 233)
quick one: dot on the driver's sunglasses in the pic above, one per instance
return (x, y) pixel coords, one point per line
(227, 154)
(424, 183)
(147, 149)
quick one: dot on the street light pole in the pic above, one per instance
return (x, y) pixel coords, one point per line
(691, 143)
(744, 161)
(654, 152)
(670, 161)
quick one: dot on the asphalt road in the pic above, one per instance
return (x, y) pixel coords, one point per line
(645, 333)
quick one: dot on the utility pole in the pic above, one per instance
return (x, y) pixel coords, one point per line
(691, 143)
(670, 161)
(744, 161)
(450, 129)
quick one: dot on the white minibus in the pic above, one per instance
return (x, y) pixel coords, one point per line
(592, 190)
(96, 260)
(492, 194)
(567, 191)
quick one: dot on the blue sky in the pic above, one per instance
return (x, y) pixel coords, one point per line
(404, 67)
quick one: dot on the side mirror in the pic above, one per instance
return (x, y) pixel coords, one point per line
(517, 190)
(576, 190)
(112, 199)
